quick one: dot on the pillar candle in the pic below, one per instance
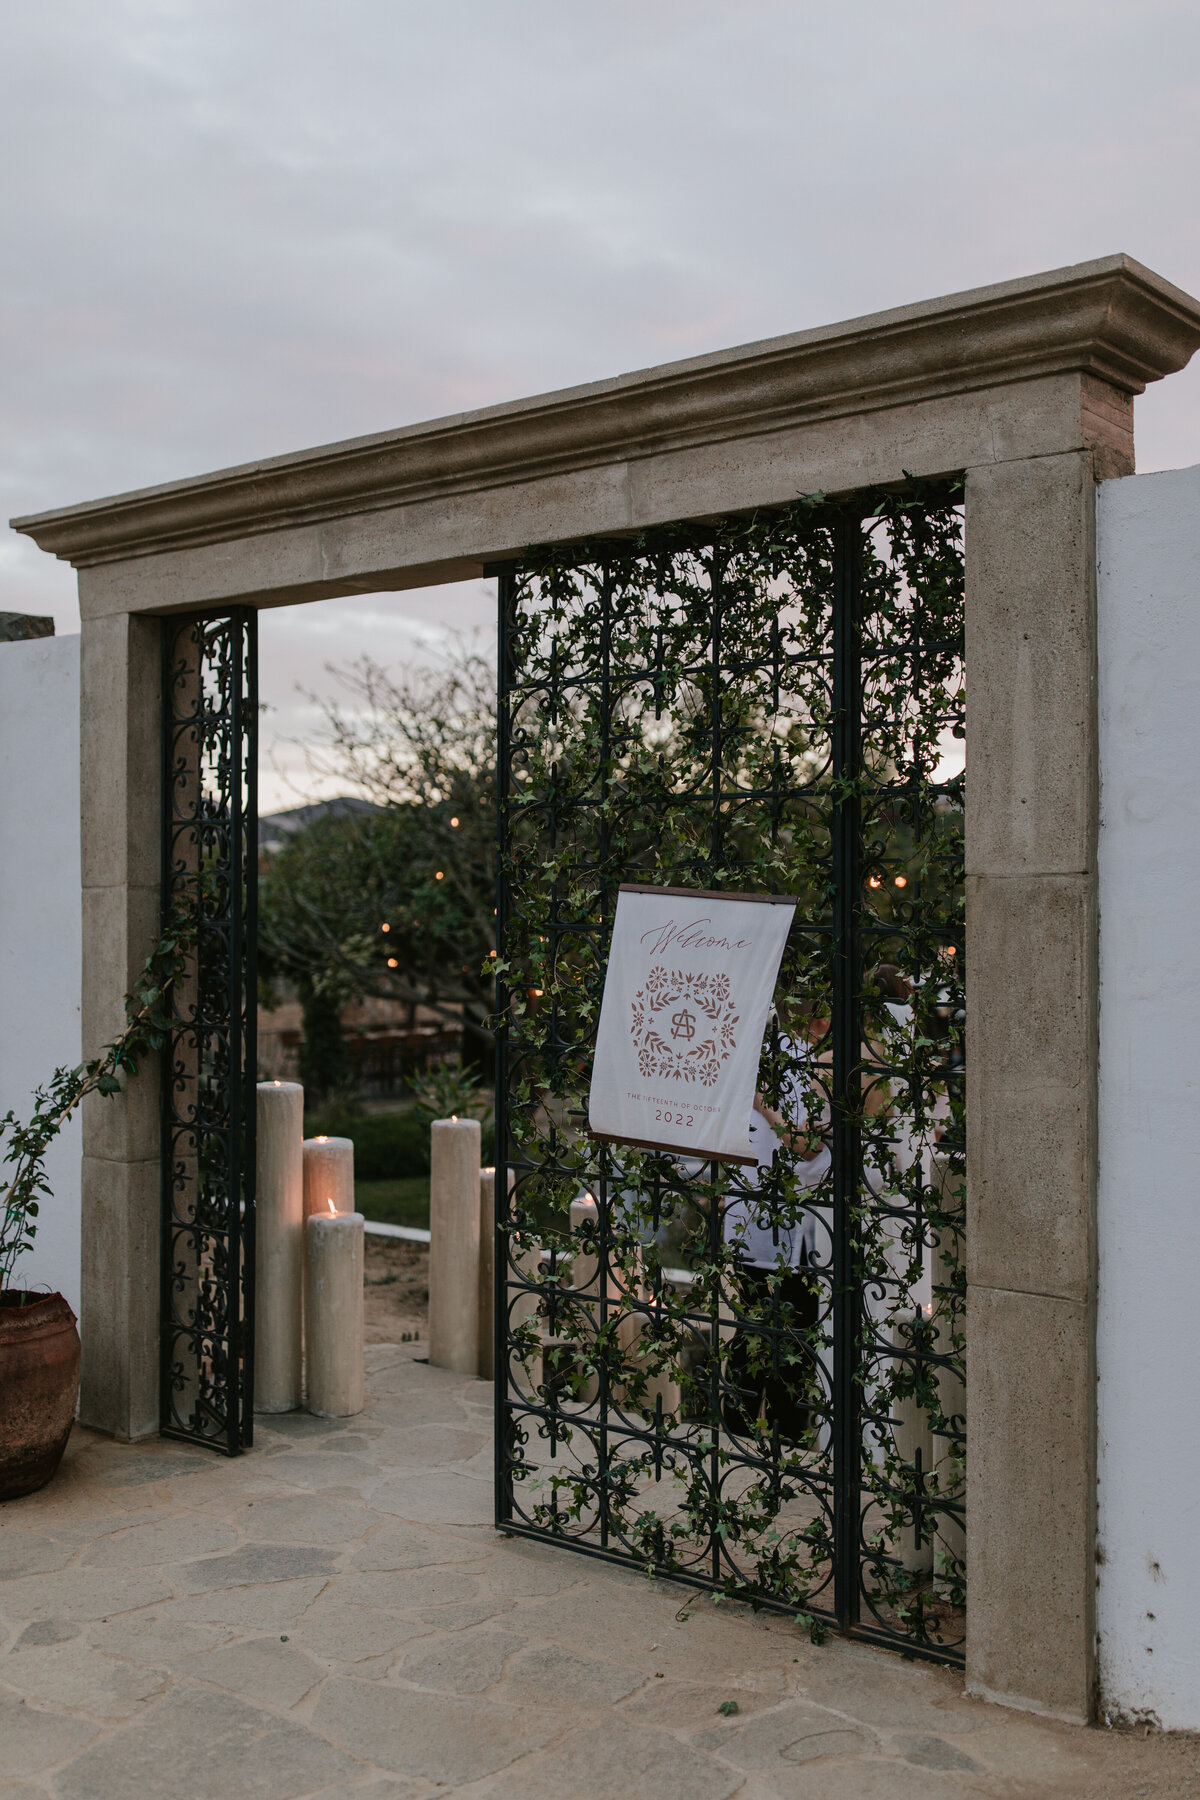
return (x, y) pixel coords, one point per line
(454, 1245)
(279, 1246)
(911, 1435)
(585, 1218)
(487, 1273)
(622, 1287)
(328, 1175)
(333, 1294)
(949, 1458)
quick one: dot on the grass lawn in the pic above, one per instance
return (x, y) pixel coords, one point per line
(404, 1202)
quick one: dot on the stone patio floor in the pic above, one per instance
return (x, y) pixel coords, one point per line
(333, 1615)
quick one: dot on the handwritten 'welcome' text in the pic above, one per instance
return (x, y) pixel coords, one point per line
(690, 937)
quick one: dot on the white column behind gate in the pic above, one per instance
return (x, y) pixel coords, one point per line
(40, 927)
(1148, 1602)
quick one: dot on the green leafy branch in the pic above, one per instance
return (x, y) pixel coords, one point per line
(149, 1023)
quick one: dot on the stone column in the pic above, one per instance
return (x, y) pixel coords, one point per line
(121, 1182)
(1031, 1072)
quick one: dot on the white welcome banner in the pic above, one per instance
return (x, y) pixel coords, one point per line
(687, 992)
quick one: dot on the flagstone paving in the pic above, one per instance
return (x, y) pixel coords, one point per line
(333, 1615)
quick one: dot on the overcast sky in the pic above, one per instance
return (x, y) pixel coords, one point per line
(233, 228)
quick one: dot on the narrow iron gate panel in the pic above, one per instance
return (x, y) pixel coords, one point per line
(764, 704)
(209, 876)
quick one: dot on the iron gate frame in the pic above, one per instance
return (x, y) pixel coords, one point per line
(847, 943)
(209, 1066)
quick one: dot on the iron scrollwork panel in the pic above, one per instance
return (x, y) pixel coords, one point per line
(772, 704)
(209, 878)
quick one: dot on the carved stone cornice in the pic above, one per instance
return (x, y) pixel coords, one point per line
(1111, 319)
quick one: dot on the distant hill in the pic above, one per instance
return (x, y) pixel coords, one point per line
(276, 828)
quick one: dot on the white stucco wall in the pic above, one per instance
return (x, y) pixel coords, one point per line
(40, 920)
(1149, 1200)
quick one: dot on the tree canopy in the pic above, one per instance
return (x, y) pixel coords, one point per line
(396, 902)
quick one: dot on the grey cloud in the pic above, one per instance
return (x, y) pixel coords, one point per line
(233, 230)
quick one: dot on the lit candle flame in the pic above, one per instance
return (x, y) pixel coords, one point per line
(332, 1208)
(454, 1118)
(320, 1140)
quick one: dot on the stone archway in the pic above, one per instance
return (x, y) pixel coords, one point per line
(1028, 387)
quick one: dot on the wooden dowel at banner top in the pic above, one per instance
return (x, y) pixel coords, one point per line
(333, 1293)
(487, 1274)
(279, 1246)
(454, 1245)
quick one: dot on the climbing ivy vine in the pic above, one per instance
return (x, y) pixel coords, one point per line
(762, 704)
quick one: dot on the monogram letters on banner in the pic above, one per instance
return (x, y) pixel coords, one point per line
(687, 992)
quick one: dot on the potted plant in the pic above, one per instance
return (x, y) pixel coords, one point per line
(39, 1340)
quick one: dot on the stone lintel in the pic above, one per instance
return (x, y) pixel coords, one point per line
(456, 535)
(1111, 320)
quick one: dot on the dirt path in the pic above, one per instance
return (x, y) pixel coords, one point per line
(396, 1279)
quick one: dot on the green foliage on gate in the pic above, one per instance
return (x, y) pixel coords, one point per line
(771, 704)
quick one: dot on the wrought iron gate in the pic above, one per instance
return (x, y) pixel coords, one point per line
(209, 877)
(771, 704)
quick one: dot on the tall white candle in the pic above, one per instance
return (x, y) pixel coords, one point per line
(622, 1287)
(454, 1245)
(585, 1221)
(949, 1463)
(333, 1294)
(279, 1246)
(487, 1274)
(913, 1441)
(328, 1175)
(585, 1269)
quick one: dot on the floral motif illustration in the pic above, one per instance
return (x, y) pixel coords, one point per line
(683, 1026)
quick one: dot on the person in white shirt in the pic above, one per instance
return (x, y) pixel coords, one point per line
(770, 1371)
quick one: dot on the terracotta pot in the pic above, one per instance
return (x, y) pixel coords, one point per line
(39, 1385)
